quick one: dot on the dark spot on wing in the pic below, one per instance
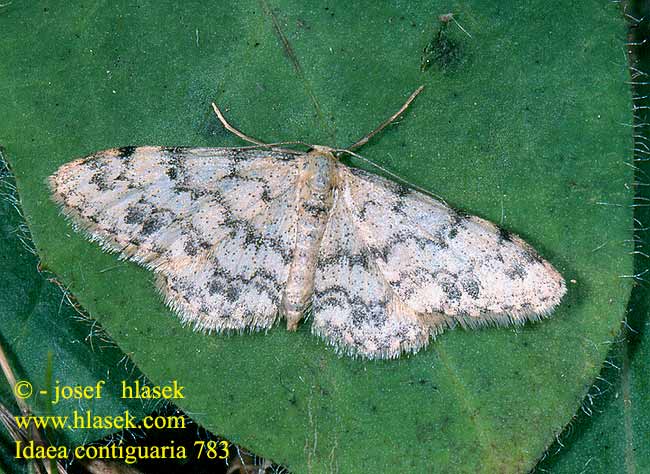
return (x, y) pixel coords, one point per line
(95, 161)
(174, 161)
(451, 290)
(504, 235)
(173, 150)
(99, 180)
(134, 215)
(263, 281)
(240, 155)
(457, 217)
(190, 248)
(315, 209)
(232, 293)
(401, 190)
(359, 259)
(350, 260)
(456, 222)
(233, 173)
(215, 286)
(517, 270)
(364, 210)
(151, 225)
(380, 253)
(398, 206)
(252, 236)
(471, 287)
(530, 255)
(126, 152)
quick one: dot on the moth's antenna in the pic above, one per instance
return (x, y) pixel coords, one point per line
(384, 124)
(258, 144)
(390, 173)
(232, 129)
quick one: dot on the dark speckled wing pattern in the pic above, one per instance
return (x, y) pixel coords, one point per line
(397, 266)
(216, 225)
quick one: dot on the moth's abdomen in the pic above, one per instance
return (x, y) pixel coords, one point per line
(314, 200)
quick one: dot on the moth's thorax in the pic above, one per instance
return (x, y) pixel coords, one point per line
(318, 172)
(314, 197)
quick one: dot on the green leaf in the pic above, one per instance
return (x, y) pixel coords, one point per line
(524, 130)
(611, 434)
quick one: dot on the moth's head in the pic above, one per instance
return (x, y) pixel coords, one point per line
(325, 150)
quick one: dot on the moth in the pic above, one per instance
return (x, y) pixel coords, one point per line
(239, 238)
